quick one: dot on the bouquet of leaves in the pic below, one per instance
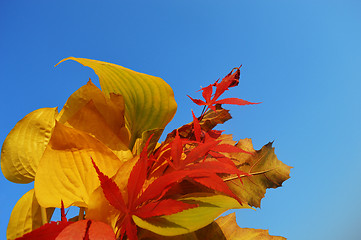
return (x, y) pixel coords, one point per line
(101, 153)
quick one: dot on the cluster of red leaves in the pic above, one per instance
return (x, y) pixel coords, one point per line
(65, 230)
(231, 80)
(197, 159)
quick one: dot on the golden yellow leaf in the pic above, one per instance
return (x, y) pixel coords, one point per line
(25, 144)
(267, 171)
(89, 120)
(108, 111)
(149, 101)
(232, 231)
(26, 216)
(66, 172)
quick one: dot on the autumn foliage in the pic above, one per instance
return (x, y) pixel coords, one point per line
(102, 153)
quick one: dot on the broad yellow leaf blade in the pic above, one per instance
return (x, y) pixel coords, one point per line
(25, 144)
(267, 171)
(149, 101)
(66, 172)
(26, 216)
(232, 231)
(190, 220)
(106, 113)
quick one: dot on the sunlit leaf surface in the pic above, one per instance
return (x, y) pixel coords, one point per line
(66, 172)
(25, 144)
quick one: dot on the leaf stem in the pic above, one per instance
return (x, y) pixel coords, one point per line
(202, 114)
(44, 217)
(81, 213)
(254, 173)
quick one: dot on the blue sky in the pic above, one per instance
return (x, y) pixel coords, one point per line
(301, 59)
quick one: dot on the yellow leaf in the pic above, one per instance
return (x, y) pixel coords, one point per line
(149, 101)
(89, 120)
(107, 112)
(25, 144)
(66, 172)
(266, 170)
(26, 216)
(190, 220)
(231, 230)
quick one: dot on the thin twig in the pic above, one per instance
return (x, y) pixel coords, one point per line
(254, 173)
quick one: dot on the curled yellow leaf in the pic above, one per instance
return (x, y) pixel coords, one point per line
(25, 145)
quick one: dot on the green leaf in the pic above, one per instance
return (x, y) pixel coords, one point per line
(26, 216)
(149, 101)
(209, 232)
(210, 207)
(25, 144)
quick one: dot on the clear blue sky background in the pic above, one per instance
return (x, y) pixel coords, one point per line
(300, 58)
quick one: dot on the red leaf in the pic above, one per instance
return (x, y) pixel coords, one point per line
(87, 230)
(220, 89)
(77, 230)
(131, 228)
(217, 167)
(62, 212)
(197, 101)
(162, 184)
(111, 190)
(137, 176)
(176, 150)
(101, 231)
(196, 128)
(235, 101)
(233, 78)
(213, 181)
(199, 152)
(207, 93)
(164, 207)
(48, 231)
(214, 133)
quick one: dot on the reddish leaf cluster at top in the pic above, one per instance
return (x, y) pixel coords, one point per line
(231, 80)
